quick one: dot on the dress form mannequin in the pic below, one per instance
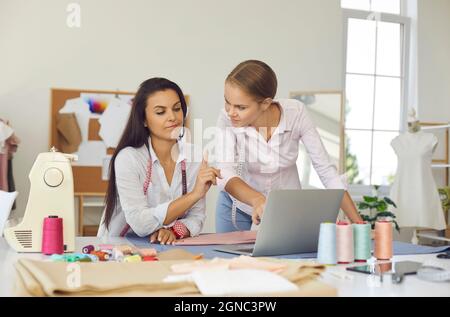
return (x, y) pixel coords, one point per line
(414, 189)
(413, 127)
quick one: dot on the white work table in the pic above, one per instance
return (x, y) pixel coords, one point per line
(348, 284)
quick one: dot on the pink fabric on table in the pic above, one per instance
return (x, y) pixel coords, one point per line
(237, 237)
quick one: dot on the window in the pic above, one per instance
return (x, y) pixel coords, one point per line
(375, 88)
(386, 6)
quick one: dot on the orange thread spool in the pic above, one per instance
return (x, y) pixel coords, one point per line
(102, 256)
(383, 240)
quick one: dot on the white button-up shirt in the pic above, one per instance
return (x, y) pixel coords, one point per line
(146, 213)
(272, 165)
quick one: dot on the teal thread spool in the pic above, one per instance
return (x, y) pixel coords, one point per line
(326, 250)
(362, 241)
(58, 258)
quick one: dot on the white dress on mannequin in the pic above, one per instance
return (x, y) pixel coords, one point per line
(414, 190)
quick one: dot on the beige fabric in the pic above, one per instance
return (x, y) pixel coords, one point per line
(39, 278)
(68, 128)
(236, 263)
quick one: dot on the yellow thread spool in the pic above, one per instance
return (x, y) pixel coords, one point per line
(132, 258)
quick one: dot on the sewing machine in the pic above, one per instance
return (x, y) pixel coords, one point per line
(51, 194)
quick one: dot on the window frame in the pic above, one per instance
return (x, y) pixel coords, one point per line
(360, 190)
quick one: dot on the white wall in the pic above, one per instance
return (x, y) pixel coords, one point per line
(121, 43)
(434, 67)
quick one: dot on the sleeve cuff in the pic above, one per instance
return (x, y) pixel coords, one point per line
(339, 182)
(193, 228)
(222, 183)
(161, 212)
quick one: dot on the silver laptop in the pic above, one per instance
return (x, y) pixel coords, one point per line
(291, 221)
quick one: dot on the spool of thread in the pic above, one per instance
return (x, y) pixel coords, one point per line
(52, 236)
(344, 243)
(85, 259)
(326, 250)
(58, 258)
(362, 241)
(93, 257)
(102, 256)
(125, 249)
(132, 258)
(117, 255)
(88, 249)
(147, 252)
(383, 249)
(75, 257)
(149, 258)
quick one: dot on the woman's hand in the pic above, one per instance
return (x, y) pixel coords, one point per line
(258, 205)
(163, 236)
(205, 178)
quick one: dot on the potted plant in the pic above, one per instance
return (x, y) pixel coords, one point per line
(377, 209)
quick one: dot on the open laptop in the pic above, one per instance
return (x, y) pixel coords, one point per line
(291, 221)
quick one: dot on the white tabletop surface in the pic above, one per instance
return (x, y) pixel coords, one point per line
(347, 283)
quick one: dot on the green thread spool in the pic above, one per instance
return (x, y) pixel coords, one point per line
(362, 241)
(132, 258)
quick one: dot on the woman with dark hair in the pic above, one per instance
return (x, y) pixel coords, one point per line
(264, 135)
(155, 187)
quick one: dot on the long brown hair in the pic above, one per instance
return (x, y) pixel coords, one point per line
(256, 78)
(136, 134)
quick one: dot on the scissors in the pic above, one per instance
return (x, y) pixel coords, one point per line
(445, 255)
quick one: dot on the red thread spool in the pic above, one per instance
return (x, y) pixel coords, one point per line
(52, 236)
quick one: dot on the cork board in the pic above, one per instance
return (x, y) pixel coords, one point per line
(87, 179)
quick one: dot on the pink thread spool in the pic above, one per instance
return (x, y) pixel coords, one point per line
(52, 236)
(344, 243)
(383, 240)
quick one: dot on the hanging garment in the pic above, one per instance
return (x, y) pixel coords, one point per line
(4, 170)
(113, 122)
(8, 146)
(414, 189)
(5, 133)
(68, 128)
(12, 143)
(11, 183)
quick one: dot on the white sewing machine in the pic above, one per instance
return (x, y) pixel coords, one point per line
(51, 193)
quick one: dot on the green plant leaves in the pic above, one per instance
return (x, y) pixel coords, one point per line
(385, 214)
(381, 206)
(363, 205)
(369, 199)
(389, 201)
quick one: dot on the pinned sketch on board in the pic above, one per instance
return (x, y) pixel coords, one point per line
(101, 119)
(113, 122)
(325, 110)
